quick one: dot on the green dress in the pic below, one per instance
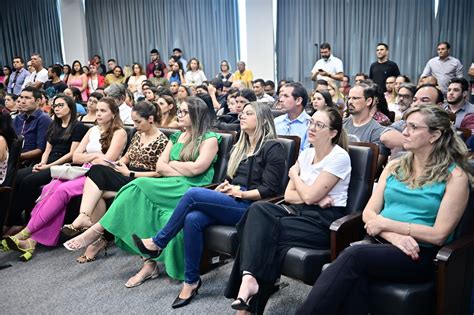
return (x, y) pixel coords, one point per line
(144, 206)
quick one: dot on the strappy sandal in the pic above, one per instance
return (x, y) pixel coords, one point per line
(243, 305)
(71, 230)
(27, 253)
(86, 259)
(82, 240)
(153, 275)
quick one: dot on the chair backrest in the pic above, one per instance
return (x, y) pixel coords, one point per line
(168, 131)
(14, 154)
(291, 144)
(364, 167)
(220, 167)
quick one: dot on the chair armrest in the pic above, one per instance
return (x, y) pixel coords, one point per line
(455, 276)
(211, 186)
(5, 189)
(344, 231)
(275, 200)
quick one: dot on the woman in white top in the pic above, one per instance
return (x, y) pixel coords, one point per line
(103, 142)
(315, 196)
(194, 76)
(136, 79)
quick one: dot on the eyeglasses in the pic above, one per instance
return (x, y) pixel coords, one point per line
(405, 96)
(59, 105)
(93, 101)
(316, 125)
(247, 113)
(411, 127)
(182, 112)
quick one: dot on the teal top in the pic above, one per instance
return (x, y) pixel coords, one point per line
(413, 205)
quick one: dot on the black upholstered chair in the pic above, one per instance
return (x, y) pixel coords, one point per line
(448, 294)
(7, 187)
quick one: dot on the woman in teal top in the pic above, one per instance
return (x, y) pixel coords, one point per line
(146, 204)
(415, 208)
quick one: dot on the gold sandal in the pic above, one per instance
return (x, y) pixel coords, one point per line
(86, 259)
(154, 274)
(71, 230)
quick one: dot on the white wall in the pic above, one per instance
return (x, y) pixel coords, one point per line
(73, 26)
(260, 45)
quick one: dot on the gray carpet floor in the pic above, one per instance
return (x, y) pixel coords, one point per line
(53, 283)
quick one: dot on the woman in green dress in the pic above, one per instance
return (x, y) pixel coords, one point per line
(145, 205)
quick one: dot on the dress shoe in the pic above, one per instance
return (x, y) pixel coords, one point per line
(179, 302)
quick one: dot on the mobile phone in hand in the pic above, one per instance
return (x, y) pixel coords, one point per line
(112, 163)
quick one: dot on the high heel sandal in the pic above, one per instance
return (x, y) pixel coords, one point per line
(71, 230)
(86, 259)
(141, 247)
(82, 240)
(154, 274)
(4, 246)
(243, 305)
(27, 253)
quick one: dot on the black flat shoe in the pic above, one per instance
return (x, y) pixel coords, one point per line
(179, 302)
(139, 243)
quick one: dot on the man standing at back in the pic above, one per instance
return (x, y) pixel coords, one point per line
(244, 75)
(293, 99)
(383, 68)
(443, 68)
(39, 75)
(328, 67)
(155, 60)
(18, 77)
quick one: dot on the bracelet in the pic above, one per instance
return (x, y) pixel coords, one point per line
(409, 229)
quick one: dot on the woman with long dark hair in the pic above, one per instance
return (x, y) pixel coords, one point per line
(78, 79)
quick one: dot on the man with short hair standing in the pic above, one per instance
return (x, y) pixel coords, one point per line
(328, 67)
(54, 85)
(155, 60)
(32, 124)
(39, 75)
(444, 67)
(293, 99)
(18, 77)
(383, 68)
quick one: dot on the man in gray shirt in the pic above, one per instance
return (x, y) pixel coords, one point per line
(444, 67)
(360, 126)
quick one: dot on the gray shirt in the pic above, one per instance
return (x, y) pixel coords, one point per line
(466, 108)
(443, 70)
(370, 132)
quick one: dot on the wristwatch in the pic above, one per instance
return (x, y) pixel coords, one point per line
(132, 174)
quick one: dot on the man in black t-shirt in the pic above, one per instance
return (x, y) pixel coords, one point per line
(383, 68)
(54, 85)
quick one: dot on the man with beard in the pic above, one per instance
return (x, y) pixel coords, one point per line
(155, 60)
(458, 91)
(328, 67)
(18, 77)
(54, 85)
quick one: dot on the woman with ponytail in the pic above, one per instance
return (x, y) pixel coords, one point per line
(418, 202)
(315, 196)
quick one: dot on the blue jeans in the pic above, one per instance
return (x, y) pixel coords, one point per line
(199, 208)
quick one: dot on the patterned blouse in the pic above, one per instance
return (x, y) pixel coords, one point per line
(145, 157)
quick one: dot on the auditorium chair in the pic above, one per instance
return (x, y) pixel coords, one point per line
(222, 239)
(448, 294)
(6, 188)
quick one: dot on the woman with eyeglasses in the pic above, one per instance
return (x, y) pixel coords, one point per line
(90, 117)
(145, 205)
(417, 204)
(103, 142)
(63, 137)
(254, 172)
(316, 195)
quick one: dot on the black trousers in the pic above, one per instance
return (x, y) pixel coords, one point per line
(107, 179)
(267, 231)
(27, 190)
(343, 287)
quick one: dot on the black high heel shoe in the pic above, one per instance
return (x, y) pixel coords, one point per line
(243, 305)
(179, 302)
(139, 243)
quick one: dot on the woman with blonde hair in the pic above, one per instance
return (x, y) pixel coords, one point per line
(254, 172)
(418, 202)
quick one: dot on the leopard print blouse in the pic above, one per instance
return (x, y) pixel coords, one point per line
(145, 157)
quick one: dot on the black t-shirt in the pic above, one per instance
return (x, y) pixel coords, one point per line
(379, 72)
(52, 89)
(63, 146)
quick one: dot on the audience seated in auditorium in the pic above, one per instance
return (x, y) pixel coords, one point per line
(90, 117)
(155, 62)
(95, 80)
(337, 97)
(405, 231)
(390, 94)
(178, 55)
(105, 141)
(54, 85)
(176, 73)
(11, 104)
(145, 205)
(380, 110)
(315, 196)
(103, 182)
(32, 124)
(116, 76)
(7, 136)
(293, 99)
(254, 172)
(158, 76)
(259, 89)
(360, 77)
(63, 137)
(134, 83)
(231, 121)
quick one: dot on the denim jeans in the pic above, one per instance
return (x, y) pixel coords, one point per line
(199, 208)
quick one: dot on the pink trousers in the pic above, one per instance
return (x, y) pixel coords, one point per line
(47, 217)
